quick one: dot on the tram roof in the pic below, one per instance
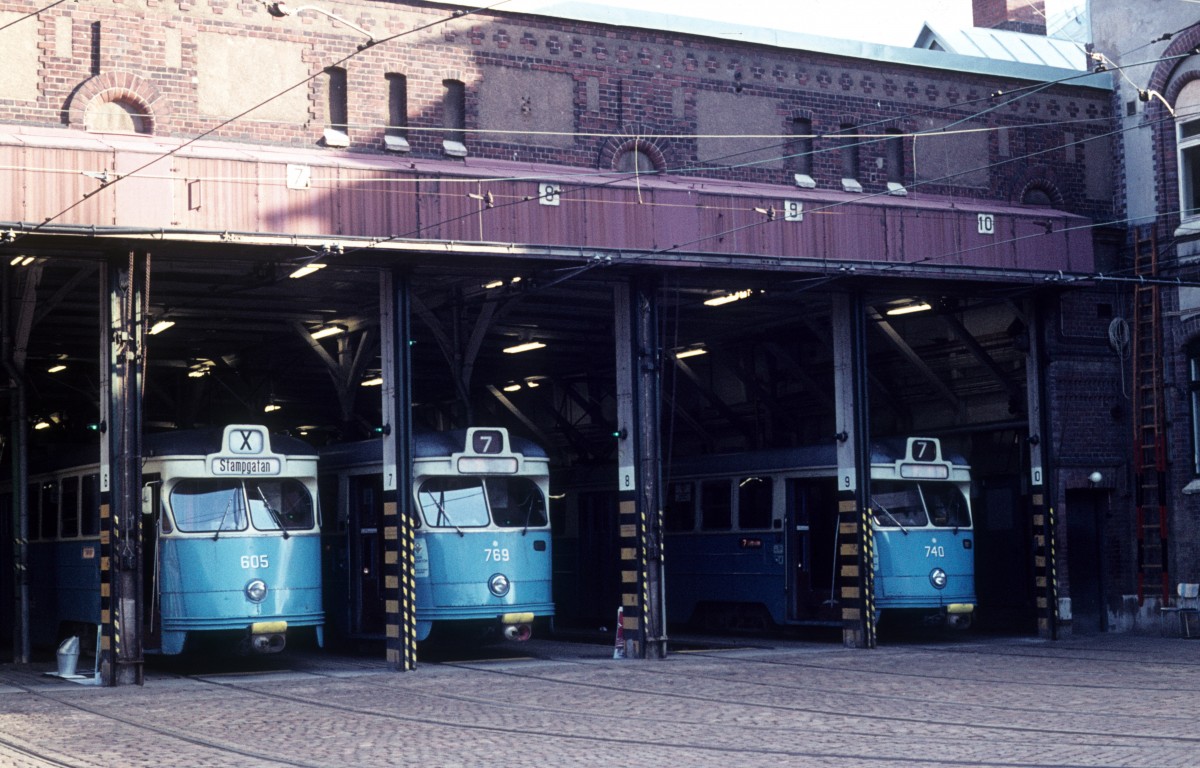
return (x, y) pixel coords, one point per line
(425, 445)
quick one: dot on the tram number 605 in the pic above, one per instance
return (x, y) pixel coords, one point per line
(254, 561)
(495, 555)
(935, 550)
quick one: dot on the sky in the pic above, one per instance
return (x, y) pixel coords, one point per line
(890, 22)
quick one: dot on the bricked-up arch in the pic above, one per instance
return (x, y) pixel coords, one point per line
(98, 103)
(617, 148)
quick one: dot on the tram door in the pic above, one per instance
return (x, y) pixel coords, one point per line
(811, 516)
(152, 518)
(366, 554)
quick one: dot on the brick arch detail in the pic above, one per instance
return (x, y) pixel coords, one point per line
(632, 138)
(1037, 179)
(115, 86)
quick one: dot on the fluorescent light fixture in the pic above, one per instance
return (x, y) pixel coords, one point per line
(272, 407)
(728, 298)
(307, 269)
(374, 381)
(56, 368)
(694, 351)
(527, 346)
(493, 284)
(512, 387)
(328, 330)
(197, 373)
(21, 261)
(161, 326)
(42, 424)
(908, 309)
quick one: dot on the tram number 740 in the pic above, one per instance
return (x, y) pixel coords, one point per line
(935, 550)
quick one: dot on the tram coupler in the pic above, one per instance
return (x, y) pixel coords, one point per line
(517, 626)
(268, 636)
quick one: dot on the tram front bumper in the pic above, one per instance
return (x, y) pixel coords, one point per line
(268, 636)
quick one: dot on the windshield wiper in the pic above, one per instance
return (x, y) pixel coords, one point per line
(225, 514)
(272, 511)
(891, 517)
(443, 516)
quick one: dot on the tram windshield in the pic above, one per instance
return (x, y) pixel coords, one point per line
(897, 504)
(474, 502)
(207, 505)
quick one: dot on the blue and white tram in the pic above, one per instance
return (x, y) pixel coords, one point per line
(482, 534)
(231, 542)
(752, 538)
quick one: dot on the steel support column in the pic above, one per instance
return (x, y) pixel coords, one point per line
(643, 603)
(18, 450)
(399, 562)
(121, 470)
(856, 574)
(1045, 551)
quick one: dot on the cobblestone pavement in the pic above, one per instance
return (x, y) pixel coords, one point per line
(1117, 700)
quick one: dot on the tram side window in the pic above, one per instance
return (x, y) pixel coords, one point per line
(33, 500)
(516, 502)
(49, 509)
(91, 505)
(716, 506)
(680, 511)
(70, 507)
(754, 503)
(279, 504)
(204, 506)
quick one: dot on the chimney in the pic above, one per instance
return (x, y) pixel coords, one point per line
(1027, 16)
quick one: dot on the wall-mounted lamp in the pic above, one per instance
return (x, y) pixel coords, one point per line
(279, 10)
(1095, 478)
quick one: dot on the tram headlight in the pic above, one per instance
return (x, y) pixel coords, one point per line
(937, 577)
(256, 591)
(499, 585)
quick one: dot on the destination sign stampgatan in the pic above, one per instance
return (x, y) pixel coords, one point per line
(239, 465)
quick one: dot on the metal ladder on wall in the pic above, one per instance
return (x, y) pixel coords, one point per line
(1149, 422)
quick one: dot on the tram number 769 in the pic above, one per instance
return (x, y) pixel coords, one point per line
(935, 550)
(496, 555)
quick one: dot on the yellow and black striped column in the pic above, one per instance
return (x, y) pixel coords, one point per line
(399, 537)
(639, 364)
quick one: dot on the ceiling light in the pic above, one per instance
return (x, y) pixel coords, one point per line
(328, 330)
(271, 407)
(56, 368)
(493, 284)
(908, 309)
(524, 347)
(21, 261)
(728, 298)
(374, 381)
(512, 387)
(692, 351)
(41, 424)
(532, 383)
(161, 326)
(307, 269)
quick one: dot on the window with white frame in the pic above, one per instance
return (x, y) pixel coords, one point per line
(1187, 127)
